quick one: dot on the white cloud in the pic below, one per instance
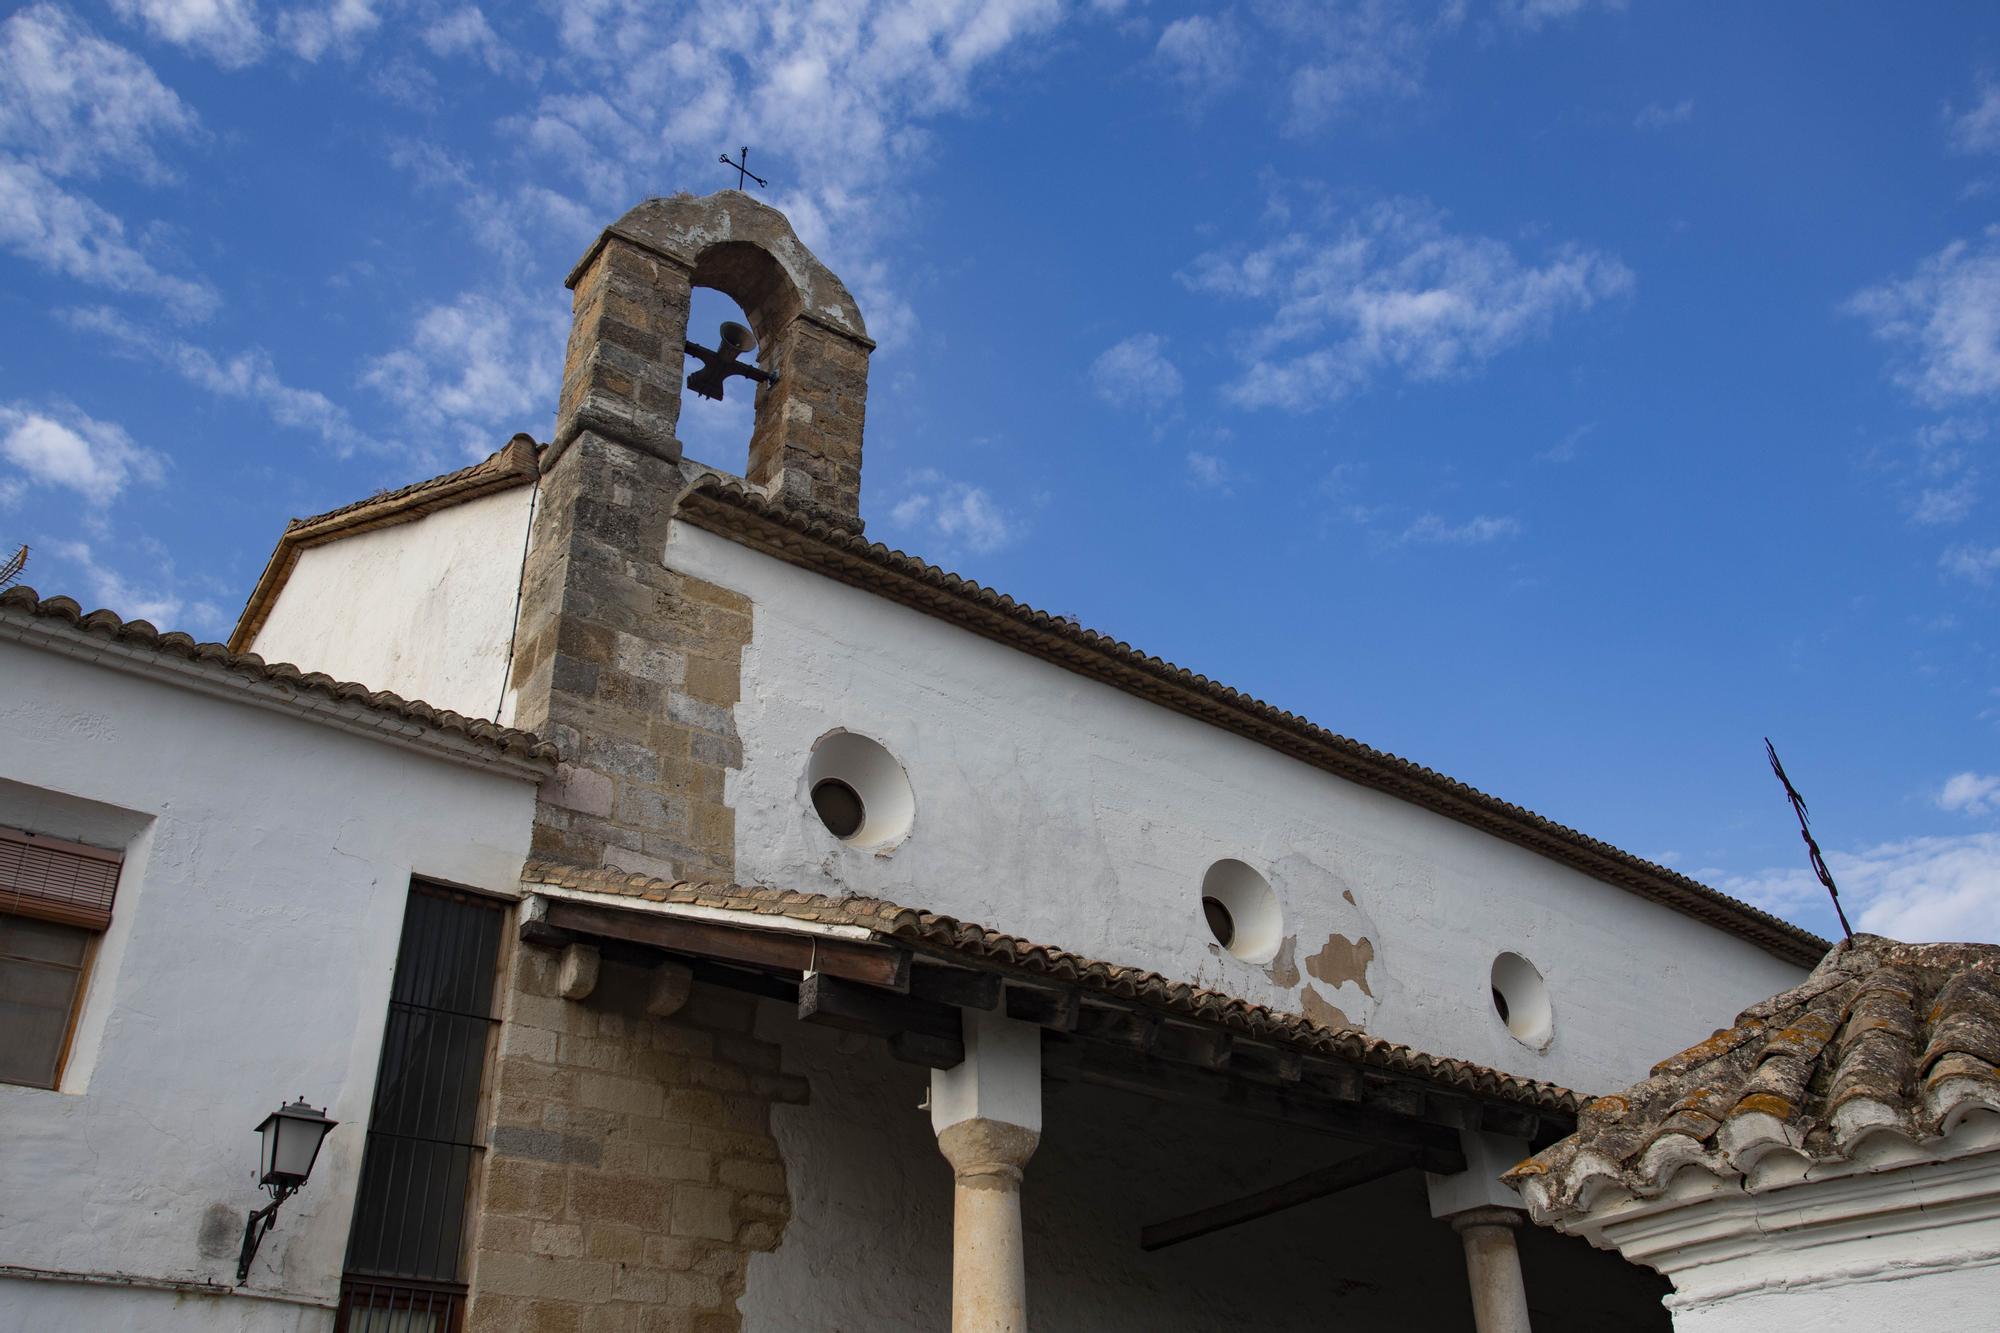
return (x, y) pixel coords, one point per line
(1136, 373)
(1202, 54)
(250, 376)
(1349, 55)
(224, 30)
(1659, 116)
(1975, 563)
(1390, 289)
(1534, 13)
(1568, 447)
(1977, 128)
(1971, 793)
(1941, 506)
(109, 588)
(338, 26)
(1944, 322)
(64, 447)
(1208, 472)
(71, 102)
(956, 512)
(1917, 889)
(473, 369)
(1430, 529)
(465, 32)
(41, 221)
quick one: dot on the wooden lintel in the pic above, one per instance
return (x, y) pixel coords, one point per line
(1435, 1147)
(1337, 1082)
(919, 1031)
(961, 987)
(1134, 1029)
(1395, 1096)
(1056, 1009)
(1188, 1043)
(1516, 1122)
(855, 960)
(1356, 1170)
(1458, 1112)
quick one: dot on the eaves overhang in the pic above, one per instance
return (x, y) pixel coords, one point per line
(60, 625)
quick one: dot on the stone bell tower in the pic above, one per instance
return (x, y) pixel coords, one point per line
(632, 668)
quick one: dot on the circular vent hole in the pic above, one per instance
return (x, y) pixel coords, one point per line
(1241, 911)
(859, 791)
(839, 807)
(1521, 999)
(1220, 924)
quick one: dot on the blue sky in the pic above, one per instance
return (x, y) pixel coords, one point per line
(1562, 394)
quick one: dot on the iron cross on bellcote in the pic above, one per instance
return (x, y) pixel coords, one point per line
(743, 171)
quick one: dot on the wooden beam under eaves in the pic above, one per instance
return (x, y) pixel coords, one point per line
(1356, 1170)
(864, 961)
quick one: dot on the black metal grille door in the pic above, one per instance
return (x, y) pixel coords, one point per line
(409, 1219)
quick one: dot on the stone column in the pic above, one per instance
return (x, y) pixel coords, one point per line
(988, 1116)
(1493, 1269)
(989, 1273)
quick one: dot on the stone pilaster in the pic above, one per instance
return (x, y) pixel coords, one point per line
(630, 1173)
(807, 443)
(631, 668)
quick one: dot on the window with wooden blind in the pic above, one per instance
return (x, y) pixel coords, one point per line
(55, 899)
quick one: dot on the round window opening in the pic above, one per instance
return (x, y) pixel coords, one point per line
(1241, 911)
(1521, 999)
(859, 791)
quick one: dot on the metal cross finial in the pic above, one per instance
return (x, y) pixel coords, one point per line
(1805, 831)
(743, 154)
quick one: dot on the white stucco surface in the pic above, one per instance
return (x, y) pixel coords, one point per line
(425, 609)
(248, 962)
(1066, 811)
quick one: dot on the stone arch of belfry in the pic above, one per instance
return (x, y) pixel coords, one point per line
(623, 378)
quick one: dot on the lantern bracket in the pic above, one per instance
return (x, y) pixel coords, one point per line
(259, 1224)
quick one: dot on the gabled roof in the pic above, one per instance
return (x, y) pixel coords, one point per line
(61, 623)
(727, 506)
(731, 508)
(945, 935)
(514, 465)
(1884, 1039)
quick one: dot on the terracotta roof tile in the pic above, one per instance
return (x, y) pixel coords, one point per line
(947, 934)
(1883, 1038)
(24, 601)
(728, 506)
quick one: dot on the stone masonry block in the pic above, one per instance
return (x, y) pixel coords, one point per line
(702, 1211)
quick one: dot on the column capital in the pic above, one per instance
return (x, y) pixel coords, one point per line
(988, 1154)
(1486, 1217)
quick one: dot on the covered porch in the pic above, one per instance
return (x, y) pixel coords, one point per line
(998, 1133)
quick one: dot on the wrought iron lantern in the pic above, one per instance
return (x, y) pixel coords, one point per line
(291, 1139)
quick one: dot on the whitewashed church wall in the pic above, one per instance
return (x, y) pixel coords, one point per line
(248, 962)
(425, 609)
(1071, 813)
(868, 1246)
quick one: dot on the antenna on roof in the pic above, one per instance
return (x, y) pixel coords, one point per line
(11, 567)
(1805, 831)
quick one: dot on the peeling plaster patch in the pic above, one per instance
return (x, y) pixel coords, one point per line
(1315, 1006)
(1343, 960)
(1283, 970)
